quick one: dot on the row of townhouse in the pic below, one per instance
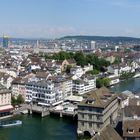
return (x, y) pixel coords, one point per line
(60, 86)
(33, 62)
(114, 72)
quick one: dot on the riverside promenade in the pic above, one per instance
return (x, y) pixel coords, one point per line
(43, 111)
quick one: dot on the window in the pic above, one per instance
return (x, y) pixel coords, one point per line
(90, 117)
(99, 118)
(82, 116)
(130, 130)
(98, 125)
(90, 125)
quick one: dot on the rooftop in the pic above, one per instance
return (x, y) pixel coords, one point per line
(130, 111)
(100, 98)
(131, 128)
(3, 89)
(107, 133)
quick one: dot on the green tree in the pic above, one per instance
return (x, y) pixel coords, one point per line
(100, 82)
(93, 72)
(106, 82)
(20, 99)
(80, 59)
(13, 101)
(117, 61)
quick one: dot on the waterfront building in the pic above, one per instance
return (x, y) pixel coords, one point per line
(65, 83)
(49, 92)
(98, 110)
(5, 102)
(84, 84)
(18, 87)
(5, 41)
(43, 93)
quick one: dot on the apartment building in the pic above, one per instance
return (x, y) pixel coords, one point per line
(5, 102)
(97, 111)
(18, 87)
(49, 92)
(84, 84)
(65, 84)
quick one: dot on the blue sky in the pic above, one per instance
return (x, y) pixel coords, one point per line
(56, 18)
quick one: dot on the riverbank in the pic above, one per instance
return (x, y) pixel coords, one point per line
(130, 84)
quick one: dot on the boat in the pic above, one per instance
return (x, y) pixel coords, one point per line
(136, 75)
(10, 124)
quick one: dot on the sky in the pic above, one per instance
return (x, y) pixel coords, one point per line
(57, 18)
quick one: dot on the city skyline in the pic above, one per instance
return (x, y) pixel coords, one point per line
(52, 19)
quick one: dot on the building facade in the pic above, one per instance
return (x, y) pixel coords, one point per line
(97, 111)
(5, 102)
(48, 92)
(84, 84)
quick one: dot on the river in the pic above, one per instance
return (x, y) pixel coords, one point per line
(37, 128)
(130, 84)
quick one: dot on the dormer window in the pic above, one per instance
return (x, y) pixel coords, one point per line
(130, 130)
(135, 116)
(90, 101)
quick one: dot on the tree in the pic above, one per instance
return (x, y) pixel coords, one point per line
(13, 101)
(106, 82)
(80, 58)
(93, 72)
(20, 99)
(117, 61)
(100, 82)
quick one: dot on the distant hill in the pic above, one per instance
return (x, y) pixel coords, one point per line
(104, 38)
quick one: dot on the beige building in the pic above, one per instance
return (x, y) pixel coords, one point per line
(97, 111)
(5, 102)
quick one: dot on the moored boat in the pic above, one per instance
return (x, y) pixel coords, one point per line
(10, 124)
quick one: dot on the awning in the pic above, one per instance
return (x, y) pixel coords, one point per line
(74, 98)
(43, 104)
(6, 108)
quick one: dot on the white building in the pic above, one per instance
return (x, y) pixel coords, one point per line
(77, 72)
(84, 85)
(48, 92)
(43, 93)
